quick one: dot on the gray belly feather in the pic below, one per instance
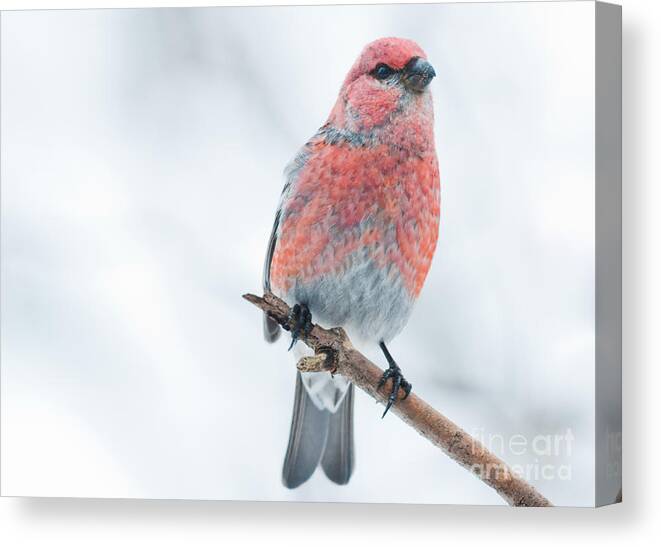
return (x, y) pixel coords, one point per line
(370, 302)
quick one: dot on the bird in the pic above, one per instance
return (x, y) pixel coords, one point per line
(354, 235)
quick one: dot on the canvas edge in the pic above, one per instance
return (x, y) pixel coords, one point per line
(608, 254)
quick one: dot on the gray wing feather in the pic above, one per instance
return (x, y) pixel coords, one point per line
(337, 461)
(307, 438)
(271, 328)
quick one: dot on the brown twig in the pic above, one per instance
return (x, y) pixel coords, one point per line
(334, 352)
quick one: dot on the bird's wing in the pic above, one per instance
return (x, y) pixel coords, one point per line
(271, 328)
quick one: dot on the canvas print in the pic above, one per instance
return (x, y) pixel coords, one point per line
(324, 253)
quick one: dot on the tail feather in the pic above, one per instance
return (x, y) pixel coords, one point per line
(271, 329)
(337, 461)
(307, 438)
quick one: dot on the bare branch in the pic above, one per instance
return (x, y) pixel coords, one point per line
(334, 353)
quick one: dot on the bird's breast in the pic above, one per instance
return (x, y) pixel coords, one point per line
(358, 221)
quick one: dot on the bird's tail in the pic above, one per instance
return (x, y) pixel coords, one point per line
(319, 436)
(337, 461)
(271, 329)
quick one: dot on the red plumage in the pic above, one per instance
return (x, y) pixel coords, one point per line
(337, 189)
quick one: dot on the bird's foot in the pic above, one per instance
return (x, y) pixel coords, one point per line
(394, 373)
(300, 321)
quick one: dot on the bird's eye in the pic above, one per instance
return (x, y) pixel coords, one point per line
(381, 71)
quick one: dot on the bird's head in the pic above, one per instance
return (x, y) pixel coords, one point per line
(390, 77)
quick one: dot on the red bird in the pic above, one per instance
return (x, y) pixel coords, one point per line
(354, 237)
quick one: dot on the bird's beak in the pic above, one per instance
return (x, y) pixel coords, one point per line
(417, 74)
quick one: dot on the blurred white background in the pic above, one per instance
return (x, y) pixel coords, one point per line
(142, 153)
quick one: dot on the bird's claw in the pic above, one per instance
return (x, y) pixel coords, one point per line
(300, 320)
(398, 381)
